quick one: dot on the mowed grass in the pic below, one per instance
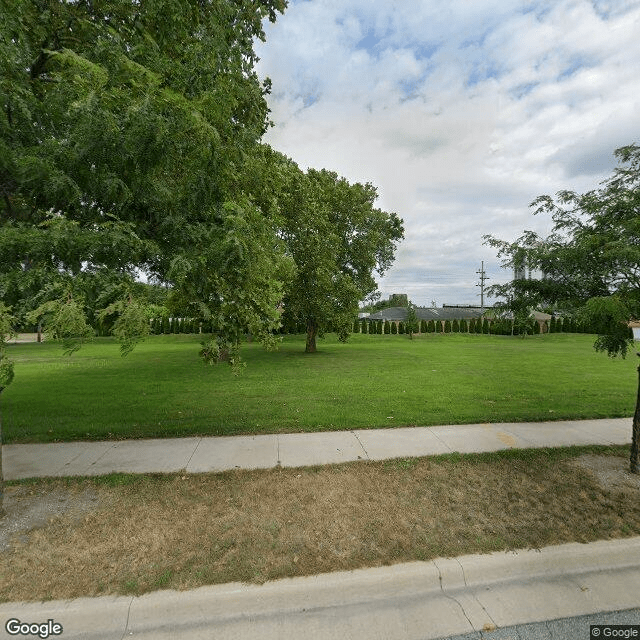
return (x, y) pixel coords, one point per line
(163, 389)
(178, 532)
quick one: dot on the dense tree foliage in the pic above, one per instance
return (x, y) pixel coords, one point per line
(124, 129)
(590, 264)
(335, 235)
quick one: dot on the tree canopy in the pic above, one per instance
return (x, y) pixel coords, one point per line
(130, 142)
(590, 263)
(123, 132)
(336, 237)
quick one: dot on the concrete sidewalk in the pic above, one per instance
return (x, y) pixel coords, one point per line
(413, 601)
(196, 455)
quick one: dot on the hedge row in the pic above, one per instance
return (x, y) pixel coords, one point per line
(385, 327)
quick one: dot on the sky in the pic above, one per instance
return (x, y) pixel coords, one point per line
(460, 113)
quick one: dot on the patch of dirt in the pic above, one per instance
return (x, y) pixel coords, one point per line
(611, 472)
(27, 509)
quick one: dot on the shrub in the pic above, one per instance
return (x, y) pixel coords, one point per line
(464, 327)
(447, 326)
(400, 327)
(423, 326)
(387, 327)
(485, 326)
(431, 326)
(356, 327)
(394, 328)
(455, 326)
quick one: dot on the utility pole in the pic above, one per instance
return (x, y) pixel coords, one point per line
(483, 277)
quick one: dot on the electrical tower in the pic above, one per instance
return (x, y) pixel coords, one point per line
(483, 277)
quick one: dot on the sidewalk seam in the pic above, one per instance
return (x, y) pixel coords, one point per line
(186, 466)
(441, 441)
(104, 453)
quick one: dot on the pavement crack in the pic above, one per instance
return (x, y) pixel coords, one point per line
(126, 624)
(464, 577)
(446, 595)
(355, 435)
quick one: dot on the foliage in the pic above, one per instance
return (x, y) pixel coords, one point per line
(124, 133)
(7, 331)
(590, 262)
(65, 320)
(131, 325)
(335, 237)
(411, 323)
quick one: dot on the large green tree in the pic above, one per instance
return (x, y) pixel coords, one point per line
(590, 263)
(337, 239)
(334, 234)
(124, 127)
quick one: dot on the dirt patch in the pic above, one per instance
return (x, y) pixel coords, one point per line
(29, 507)
(612, 473)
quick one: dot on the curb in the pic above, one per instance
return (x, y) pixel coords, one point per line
(410, 601)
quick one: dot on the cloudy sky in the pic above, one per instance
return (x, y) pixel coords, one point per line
(460, 112)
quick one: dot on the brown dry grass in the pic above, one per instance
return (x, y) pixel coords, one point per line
(154, 532)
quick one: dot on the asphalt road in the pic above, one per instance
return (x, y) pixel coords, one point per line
(576, 628)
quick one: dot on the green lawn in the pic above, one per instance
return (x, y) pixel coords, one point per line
(163, 389)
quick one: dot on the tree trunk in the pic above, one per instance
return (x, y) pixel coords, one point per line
(312, 332)
(1, 476)
(635, 433)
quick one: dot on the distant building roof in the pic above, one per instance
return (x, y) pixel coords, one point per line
(427, 313)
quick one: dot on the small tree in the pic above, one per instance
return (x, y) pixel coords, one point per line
(411, 324)
(455, 326)
(387, 327)
(447, 326)
(394, 328)
(464, 327)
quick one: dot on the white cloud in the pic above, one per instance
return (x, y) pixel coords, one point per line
(460, 113)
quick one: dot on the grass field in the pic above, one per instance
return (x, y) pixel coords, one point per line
(162, 389)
